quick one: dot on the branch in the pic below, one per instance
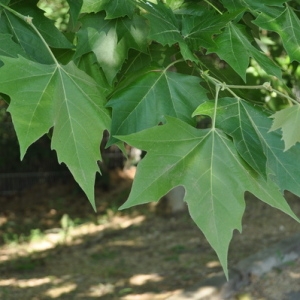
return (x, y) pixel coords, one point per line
(267, 86)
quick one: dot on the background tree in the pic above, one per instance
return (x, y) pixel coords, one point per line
(149, 72)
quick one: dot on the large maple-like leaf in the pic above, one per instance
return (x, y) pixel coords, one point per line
(110, 40)
(152, 96)
(286, 23)
(288, 120)
(62, 97)
(207, 165)
(234, 46)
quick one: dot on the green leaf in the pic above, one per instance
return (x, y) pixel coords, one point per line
(114, 9)
(288, 120)
(110, 40)
(256, 124)
(25, 36)
(234, 46)
(233, 117)
(286, 23)
(45, 26)
(198, 31)
(174, 4)
(8, 47)
(74, 11)
(91, 6)
(118, 8)
(207, 165)
(164, 27)
(88, 64)
(62, 97)
(252, 5)
(5, 2)
(152, 96)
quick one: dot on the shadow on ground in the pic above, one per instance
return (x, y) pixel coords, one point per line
(55, 247)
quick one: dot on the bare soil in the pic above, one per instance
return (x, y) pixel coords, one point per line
(55, 247)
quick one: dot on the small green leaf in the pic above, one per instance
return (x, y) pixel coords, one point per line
(205, 109)
(288, 120)
(199, 30)
(281, 165)
(234, 46)
(286, 23)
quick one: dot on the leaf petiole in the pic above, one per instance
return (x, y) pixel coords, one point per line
(267, 86)
(28, 20)
(173, 63)
(213, 6)
(218, 87)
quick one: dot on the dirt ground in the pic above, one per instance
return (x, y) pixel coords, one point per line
(53, 246)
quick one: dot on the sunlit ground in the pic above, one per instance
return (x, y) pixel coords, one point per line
(56, 248)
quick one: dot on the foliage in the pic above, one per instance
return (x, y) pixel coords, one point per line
(148, 72)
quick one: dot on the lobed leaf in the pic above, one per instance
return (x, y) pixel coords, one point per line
(207, 165)
(74, 11)
(234, 119)
(118, 8)
(91, 6)
(62, 97)
(269, 147)
(286, 23)
(199, 30)
(234, 47)
(151, 97)
(114, 9)
(164, 26)
(30, 43)
(110, 40)
(8, 47)
(288, 120)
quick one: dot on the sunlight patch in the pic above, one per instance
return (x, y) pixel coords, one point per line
(59, 291)
(141, 279)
